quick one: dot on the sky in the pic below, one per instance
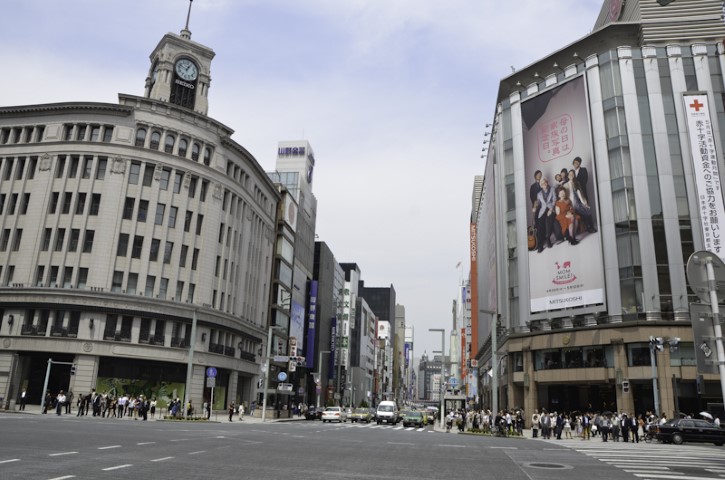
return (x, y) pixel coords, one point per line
(393, 96)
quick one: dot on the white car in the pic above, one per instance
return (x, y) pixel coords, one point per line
(334, 414)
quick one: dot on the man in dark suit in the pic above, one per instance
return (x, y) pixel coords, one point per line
(534, 190)
(582, 176)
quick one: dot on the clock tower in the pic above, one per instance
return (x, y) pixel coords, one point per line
(180, 71)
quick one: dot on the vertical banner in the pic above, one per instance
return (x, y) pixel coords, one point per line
(565, 255)
(311, 326)
(333, 349)
(707, 173)
(297, 326)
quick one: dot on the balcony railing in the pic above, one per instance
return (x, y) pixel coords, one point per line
(216, 348)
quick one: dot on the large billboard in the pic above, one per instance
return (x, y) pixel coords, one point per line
(565, 255)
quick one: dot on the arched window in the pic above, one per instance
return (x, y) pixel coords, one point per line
(140, 137)
(155, 140)
(169, 147)
(183, 145)
(195, 152)
(207, 156)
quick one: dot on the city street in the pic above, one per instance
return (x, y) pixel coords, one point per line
(51, 447)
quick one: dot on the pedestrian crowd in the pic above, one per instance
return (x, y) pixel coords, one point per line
(102, 405)
(614, 426)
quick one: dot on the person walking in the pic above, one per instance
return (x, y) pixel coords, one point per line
(241, 411)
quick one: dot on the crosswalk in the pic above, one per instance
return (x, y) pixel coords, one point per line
(371, 425)
(656, 461)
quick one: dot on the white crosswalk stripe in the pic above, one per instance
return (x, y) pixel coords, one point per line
(657, 461)
(395, 428)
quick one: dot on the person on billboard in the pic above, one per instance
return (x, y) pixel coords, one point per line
(534, 190)
(579, 200)
(581, 175)
(565, 215)
(546, 219)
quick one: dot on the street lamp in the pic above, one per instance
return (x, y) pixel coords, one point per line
(319, 368)
(266, 371)
(442, 331)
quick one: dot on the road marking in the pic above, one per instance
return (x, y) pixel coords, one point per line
(161, 459)
(400, 443)
(63, 478)
(679, 477)
(61, 453)
(116, 467)
(452, 446)
(179, 440)
(506, 448)
(11, 460)
(145, 443)
(110, 446)
(197, 453)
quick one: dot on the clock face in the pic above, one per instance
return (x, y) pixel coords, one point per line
(186, 69)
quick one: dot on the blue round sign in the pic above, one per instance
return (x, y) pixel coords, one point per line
(211, 372)
(282, 376)
(453, 381)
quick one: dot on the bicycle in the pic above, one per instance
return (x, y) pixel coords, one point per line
(650, 434)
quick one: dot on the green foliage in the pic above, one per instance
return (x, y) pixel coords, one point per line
(364, 404)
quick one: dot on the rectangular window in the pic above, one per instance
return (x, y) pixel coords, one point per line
(101, 172)
(164, 180)
(182, 257)
(54, 276)
(75, 235)
(172, 216)
(187, 220)
(4, 239)
(117, 282)
(133, 173)
(128, 206)
(95, 133)
(192, 187)
(88, 241)
(59, 238)
(216, 266)
(163, 290)
(95, 204)
(107, 133)
(80, 132)
(53, 202)
(132, 283)
(82, 278)
(190, 294)
(143, 209)
(148, 174)
(154, 254)
(18, 239)
(122, 245)
(88, 167)
(80, 203)
(199, 222)
(45, 245)
(178, 177)
(2, 204)
(39, 276)
(19, 169)
(67, 277)
(137, 246)
(160, 210)
(150, 283)
(167, 251)
(13, 203)
(194, 258)
(179, 290)
(73, 168)
(59, 169)
(67, 202)
(221, 233)
(31, 167)
(204, 186)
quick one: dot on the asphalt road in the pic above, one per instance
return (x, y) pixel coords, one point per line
(51, 447)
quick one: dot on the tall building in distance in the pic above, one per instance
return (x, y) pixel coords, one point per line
(602, 179)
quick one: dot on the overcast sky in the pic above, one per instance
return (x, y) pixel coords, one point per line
(393, 96)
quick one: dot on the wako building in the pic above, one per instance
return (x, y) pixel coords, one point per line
(602, 179)
(136, 243)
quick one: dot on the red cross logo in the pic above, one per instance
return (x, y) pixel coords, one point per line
(696, 105)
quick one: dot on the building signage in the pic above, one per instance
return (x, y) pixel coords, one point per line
(184, 84)
(333, 349)
(291, 151)
(311, 325)
(566, 268)
(707, 173)
(296, 326)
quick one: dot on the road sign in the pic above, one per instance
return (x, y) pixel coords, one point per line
(211, 372)
(284, 387)
(452, 381)
(210, 382)
(697, 275)
(281, 358)
(281, 376)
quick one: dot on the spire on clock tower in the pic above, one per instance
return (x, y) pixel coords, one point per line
(180, 71)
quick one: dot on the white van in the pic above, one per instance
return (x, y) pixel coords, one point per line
(387, 412)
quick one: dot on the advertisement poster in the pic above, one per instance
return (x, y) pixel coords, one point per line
(565, 254)
(296, 327)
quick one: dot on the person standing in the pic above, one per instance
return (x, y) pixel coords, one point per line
(231, 411)
(252, 407)
(582, 176)
(23, 399)
(535, 419)
(241, 411)
(69, 401)
(152, 406)
(59, 402)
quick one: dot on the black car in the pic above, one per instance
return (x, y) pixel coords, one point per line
(313, 413)
(680, 430)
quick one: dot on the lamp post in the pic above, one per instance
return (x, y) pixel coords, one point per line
(442, 331)
(319, 368)
(267, 372)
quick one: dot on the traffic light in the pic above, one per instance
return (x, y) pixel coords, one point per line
(625, 386)
(72, 369)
